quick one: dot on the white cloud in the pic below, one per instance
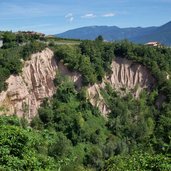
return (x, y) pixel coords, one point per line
(89, 15)
(109, 15)
(70, 17)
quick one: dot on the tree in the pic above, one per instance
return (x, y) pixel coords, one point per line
(139, 161)
(99, 38)
(61, 147)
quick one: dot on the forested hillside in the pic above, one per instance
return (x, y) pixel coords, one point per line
(15, 49)
(69, 133)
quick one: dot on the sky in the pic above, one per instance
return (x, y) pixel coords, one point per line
(56, 16)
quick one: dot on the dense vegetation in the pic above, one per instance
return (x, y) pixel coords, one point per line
(91, 58)
(15, 48)
(70, 134)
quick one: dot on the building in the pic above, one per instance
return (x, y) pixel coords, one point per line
(1, 43)
(35, 33)
(31, 33)
(153, 44)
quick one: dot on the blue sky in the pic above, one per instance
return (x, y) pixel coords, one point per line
(55, 16)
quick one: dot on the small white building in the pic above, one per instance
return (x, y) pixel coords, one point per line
(1, 43)
(153, 44)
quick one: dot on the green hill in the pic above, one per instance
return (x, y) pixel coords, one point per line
(71, 134)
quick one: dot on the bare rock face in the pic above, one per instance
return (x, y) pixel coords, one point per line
(131, 76)
(26, 91)
(74, 76)
(126, 75)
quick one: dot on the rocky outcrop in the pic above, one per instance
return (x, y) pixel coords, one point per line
(74, 76)
(26, 91)
(130, 75)
(126, 76)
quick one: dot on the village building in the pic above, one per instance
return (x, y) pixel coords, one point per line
(153, 44)
(1, 43)
(32, 33)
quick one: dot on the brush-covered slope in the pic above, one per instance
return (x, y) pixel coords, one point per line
(68, 131)
(27, 91)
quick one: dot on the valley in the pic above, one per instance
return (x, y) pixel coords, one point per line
(90, 105)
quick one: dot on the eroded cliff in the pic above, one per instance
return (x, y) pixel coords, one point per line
(126, 77)
(26, 91)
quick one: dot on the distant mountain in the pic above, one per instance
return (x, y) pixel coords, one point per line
(161, 34)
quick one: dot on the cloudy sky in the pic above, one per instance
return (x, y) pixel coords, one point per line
(55, 16)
